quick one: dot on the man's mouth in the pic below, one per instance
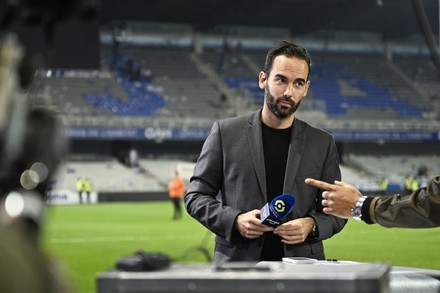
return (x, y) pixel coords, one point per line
(285, 102)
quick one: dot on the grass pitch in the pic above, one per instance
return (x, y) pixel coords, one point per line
(88, 239)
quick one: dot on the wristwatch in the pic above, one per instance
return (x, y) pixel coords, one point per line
(356, 210)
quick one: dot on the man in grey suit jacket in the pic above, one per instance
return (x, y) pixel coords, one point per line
(249, 160)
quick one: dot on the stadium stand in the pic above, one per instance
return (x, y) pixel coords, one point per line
(157, 77)
(110, 176)
(177, 87)
(152, 175)
(421, 72)
(172, 70)
(359, 178)
(122, 177)
(143, 98)
(384, 166)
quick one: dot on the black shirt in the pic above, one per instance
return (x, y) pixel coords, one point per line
(276, 148)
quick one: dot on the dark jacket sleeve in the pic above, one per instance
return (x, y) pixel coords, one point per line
(328, 225)
(421, 209)
(201, 198)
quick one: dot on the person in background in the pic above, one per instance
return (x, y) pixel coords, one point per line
(408, 184)
(383, 184)
(421, 209)
(176, 191)
(256, 157)
(133, 158)
(80, 184)
(414, 184)
(88, 188)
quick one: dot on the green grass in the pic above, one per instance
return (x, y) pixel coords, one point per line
(88, 239)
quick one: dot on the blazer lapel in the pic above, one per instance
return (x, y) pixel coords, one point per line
(254, 135)
(297, 142)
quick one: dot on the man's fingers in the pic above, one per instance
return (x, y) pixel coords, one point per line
(327, 210)
(341, 183)
(255, 213)
(327, 203)
(318, 183)
(326, 194)
(263, 228)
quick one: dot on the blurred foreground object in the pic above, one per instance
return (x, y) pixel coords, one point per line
(32, 146)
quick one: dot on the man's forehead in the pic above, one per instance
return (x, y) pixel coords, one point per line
(285, 65)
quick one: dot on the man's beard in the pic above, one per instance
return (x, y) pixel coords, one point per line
(275, 107)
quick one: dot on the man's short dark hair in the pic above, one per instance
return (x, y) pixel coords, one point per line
(288, 49)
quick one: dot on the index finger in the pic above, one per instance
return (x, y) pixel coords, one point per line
(320, 184)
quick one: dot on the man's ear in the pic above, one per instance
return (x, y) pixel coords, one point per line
(262, 79)
(307, 88)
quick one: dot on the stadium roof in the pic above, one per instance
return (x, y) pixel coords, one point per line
(393, 19)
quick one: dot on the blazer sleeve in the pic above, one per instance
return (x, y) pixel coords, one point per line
(201, 198)
(421, 209)
(328, 225)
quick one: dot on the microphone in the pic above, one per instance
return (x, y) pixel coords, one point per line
(273, 213)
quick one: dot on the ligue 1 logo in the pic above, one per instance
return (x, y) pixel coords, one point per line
(273, 213)
(279, 206)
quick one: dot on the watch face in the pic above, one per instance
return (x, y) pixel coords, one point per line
(356, 211)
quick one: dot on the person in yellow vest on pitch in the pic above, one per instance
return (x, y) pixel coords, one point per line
(176, 191)
(88, 187)
(383, 183)
(80, 188)
(408, 184)
(414, 184)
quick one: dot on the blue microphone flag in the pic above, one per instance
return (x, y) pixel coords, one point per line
(273, 213)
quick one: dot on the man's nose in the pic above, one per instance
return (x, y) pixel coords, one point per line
(288, 92)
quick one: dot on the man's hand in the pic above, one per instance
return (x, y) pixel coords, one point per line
(249, 225)
(295, 231)
(338, 199)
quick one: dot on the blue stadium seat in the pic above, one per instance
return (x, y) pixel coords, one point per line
(143, 100)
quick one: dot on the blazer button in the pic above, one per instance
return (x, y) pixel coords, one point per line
(260, 243)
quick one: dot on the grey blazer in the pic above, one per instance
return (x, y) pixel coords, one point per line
(229, 178)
